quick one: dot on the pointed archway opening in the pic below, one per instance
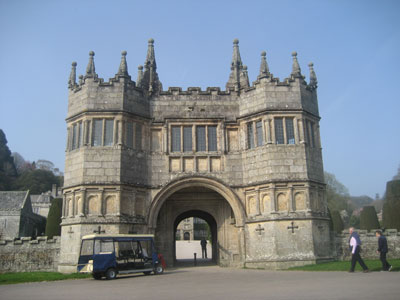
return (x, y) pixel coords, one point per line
(204, 199)
(195, 234)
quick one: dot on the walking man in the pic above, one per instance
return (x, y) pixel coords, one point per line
(355, 247)
(203, 244)
(383, 250)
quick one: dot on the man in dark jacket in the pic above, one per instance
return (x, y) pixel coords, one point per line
(382, 250)
(203, 244)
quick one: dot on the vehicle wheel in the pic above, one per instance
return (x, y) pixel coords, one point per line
(96, 276)
(147, 273)
(158, 270)
(111, 273)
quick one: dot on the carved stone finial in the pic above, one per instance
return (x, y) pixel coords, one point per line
(123, 67)
(238, 77)
(90, 69)
(264, 70)
(313, 77)
(296, 71)
(150, 79)
(139, 76)
(72, 76)
(80, 79)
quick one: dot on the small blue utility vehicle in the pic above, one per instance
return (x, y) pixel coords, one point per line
(105, 255)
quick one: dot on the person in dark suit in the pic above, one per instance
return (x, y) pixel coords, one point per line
(383, 250)
(203, 244)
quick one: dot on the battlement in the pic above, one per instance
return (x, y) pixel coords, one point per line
(148, 82)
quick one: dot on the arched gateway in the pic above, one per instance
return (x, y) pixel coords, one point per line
(200, 197)
(247, 159)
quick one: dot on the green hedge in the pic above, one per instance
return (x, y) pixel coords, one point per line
(369, 219)
(53, 227)
(391, 205)
(337, 221)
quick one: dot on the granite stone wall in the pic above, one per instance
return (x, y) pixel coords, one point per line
(27, 255)
(369, 244)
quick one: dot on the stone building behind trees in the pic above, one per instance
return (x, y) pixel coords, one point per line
(246, 159)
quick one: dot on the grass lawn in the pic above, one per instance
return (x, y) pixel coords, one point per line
(12, 278)
(373, 265)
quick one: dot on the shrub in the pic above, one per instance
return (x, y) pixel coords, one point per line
(337, 221)
(391, 206)
(368, 218)
(53, 227)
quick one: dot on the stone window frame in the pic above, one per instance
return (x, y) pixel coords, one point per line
(102, 137)
(75, 135)
(286, 141)
(252, 138)
(194, 139)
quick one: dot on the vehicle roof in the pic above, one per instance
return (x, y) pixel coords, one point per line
(102, 235)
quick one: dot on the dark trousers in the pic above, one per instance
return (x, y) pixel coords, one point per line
(385, 264)
(204, 252)
(357, 258)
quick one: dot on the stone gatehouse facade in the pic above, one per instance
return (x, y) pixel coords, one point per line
(246, 159)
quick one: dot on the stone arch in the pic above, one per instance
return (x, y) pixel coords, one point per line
(282, 202)
(186, 236)
(300, 201)
(110, 205)
(93, 205)
(197, 181)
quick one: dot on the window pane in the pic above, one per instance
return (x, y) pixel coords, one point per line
(187, 139)
(259, 132)
(80, 140)
(108, 133)
(176, 138)
(87, 131)
(250, 135)
(312, 134)
(200, 138)
(97, 132)
(279, 131)
(129, 134)
(289, 131)
(87, 247)
(74, 136)
(138, 136)
(212, 138)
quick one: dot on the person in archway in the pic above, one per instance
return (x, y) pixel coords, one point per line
(203, 244)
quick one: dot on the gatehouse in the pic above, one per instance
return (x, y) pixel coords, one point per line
(247, 160)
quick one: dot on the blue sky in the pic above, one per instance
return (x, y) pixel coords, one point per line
(355, 47)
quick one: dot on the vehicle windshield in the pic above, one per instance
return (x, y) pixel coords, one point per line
(103, 246)
(87, 247)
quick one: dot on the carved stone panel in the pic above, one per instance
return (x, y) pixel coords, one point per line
(300, 201)
(265, 204)
(233, 143)
(282, 202)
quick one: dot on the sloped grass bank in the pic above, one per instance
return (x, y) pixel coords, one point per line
(13, 278)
